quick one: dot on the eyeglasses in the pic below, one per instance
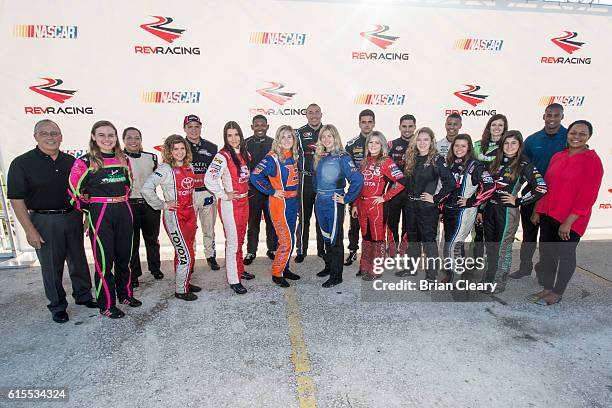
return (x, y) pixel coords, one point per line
(47, 134)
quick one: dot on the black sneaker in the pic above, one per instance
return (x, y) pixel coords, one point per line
(290, 275)
(247, 276)
(131, 302)
(113, 312)
(238, 288)
(271, 254)
(249, 258)
(212, 262)
(91, 304)
(194, 288)
(282, 282)
(360, 273)
(331, 283)
(186, 296)
(323, 273)
(518, 274)
(369, 278)
(158, 275)
(299, 258)
(60, 317)
(352, 257)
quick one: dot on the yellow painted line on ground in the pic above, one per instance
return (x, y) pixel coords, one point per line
(306, 389)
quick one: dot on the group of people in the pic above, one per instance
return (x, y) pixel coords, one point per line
(484, 188)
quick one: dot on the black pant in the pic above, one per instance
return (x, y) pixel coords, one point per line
(63, 235)
(478, 244)
(307, 199)
(395, 208)
(421, 226)
(334, 255)
(557, 257)
(353, 233)
(111, 232)
(258, 203)
(147, 220)
(530, 238)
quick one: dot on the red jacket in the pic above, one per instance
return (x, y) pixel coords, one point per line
(375, 177)
(573, 184)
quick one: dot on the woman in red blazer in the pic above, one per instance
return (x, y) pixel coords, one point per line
(573, 178)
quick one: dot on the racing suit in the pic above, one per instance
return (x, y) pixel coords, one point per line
(258, 147)
(330, 175)
(421, 225)
(102, 195)
(177, 184)
(145, 217)
(222, 177)
(306, 138)
(203, 201)
(271, 175)
(395, 207)
(443, 147)
(372, 217)
(501, 220)
(472, 181)
(485, 157)
(356, 148)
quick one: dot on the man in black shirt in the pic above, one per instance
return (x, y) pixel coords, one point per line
(356, 147)
(204, 202)
(306, 138)
(38, 189)
(258, 146)
(396, 207)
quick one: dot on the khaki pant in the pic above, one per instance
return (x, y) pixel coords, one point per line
(207, 215)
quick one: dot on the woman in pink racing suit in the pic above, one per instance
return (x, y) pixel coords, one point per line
(176, 178)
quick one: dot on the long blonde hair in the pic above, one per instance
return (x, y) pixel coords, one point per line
(169, 145)
(278, 149)
(384, 149)
(412, 152)
(95, 154)
(337, 149)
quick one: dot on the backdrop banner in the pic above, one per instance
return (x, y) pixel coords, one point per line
(149, 63)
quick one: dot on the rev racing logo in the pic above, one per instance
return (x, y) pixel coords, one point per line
(50, 89)
(381, 39)
(277, 93)
(568, 43)
(473, 97)
(606, 206)
(161, 29)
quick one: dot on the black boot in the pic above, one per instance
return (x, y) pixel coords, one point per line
(282, 282)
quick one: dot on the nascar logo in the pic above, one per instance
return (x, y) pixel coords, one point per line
(171, 97)
(45, 31)
(380, 99)
(562, 100)
(267, 38)
(478, 44)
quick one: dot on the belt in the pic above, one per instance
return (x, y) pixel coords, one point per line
(62, 211)
(137, 200)
(241, 195)
(111, 200)
(414, 197)
(200, 189)
(291, 194)
(307, 173)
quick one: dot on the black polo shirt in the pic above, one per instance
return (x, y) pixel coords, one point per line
(40, 181)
